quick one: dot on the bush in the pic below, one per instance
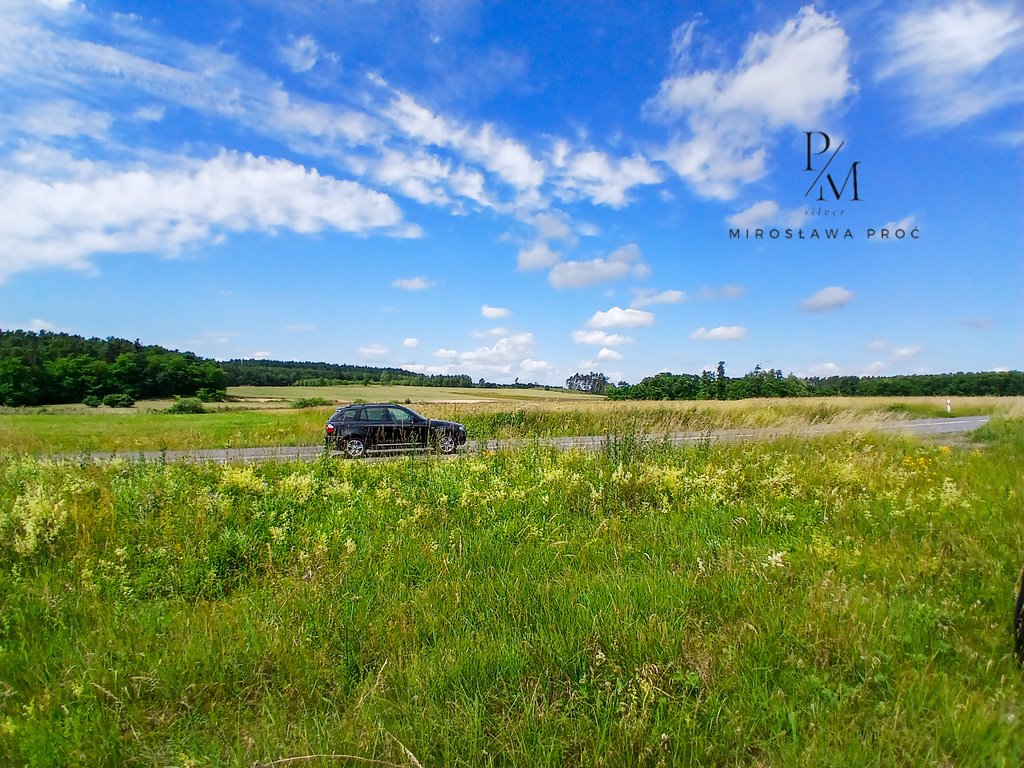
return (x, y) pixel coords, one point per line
(205, 395)
(187, 405)
(92, 401)
(118, 400)
(310, 402)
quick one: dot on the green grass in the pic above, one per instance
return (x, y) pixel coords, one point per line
(842, 601)
(79, 429)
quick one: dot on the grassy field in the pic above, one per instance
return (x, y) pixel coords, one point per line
(79, 429)
(379, 393)
(841, 601)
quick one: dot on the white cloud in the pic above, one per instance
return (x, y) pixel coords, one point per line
(507, 350)
(301, 54)
(875, 367)
(605, 181)
(608, 354)
(765, 212)
(878, 344)
(824, 369)
(537, 256)
(828, 298)
(373, 351)
(496, 331)
(645, 297)
(58, 118)
(96, 209)
(790, 78)
(418, 283)
(958, 61)
(36, 324)
(508, 159)
(446, 354)
(553, 225)
(907, 223)
(617, 317)
(494, 313)
(411, 342)
(904, 353)
(721, 333)
(600, 338)
(623, 262)
(151, 113)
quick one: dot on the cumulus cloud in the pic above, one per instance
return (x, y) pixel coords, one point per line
(97, 209)
(494, 313)
(957, 62)
(411, 342)
(537, 256)
(418, 283)
(617, 317)
(608, 354)
(645, 297)
(789, 78)
(622, 262)
(446, 354)
(605, 181)
(721, 333)
(600, 338)
(301, 53)
(826, 299)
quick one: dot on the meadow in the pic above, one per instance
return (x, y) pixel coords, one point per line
(837, 601)
(77, 429)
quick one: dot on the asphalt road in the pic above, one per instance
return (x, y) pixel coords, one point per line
(306, 452)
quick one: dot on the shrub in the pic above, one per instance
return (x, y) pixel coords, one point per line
(187, 405)
(118, 400)
(205, 395)
(310, 402)
(92, 401)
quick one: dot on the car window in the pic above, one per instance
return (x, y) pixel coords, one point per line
(399, 415)
(375, 414)
(352, 414)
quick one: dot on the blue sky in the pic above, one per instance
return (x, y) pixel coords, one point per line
(520, 190)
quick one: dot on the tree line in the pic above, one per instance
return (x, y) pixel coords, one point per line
(716, 385)
(42, 368)
(284, 373)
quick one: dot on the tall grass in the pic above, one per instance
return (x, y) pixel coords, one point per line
(842, 601)
(128, 433)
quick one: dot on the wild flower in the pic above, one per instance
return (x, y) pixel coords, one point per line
(35, 519)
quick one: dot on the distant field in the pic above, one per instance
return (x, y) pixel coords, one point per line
(67, 429)
(399, 394)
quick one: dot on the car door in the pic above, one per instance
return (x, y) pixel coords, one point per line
(409, 429)
(377, 422)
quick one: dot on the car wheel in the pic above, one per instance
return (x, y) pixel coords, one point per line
(446, 443)
(355, 448)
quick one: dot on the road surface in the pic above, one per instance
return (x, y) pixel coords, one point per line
(942, 426)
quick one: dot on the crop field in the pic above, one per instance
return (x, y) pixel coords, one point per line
(844, 601)
(57, 430)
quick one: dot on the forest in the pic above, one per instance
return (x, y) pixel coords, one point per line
(44, 368)
(716, 385)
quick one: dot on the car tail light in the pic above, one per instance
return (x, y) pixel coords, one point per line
(330, 428)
